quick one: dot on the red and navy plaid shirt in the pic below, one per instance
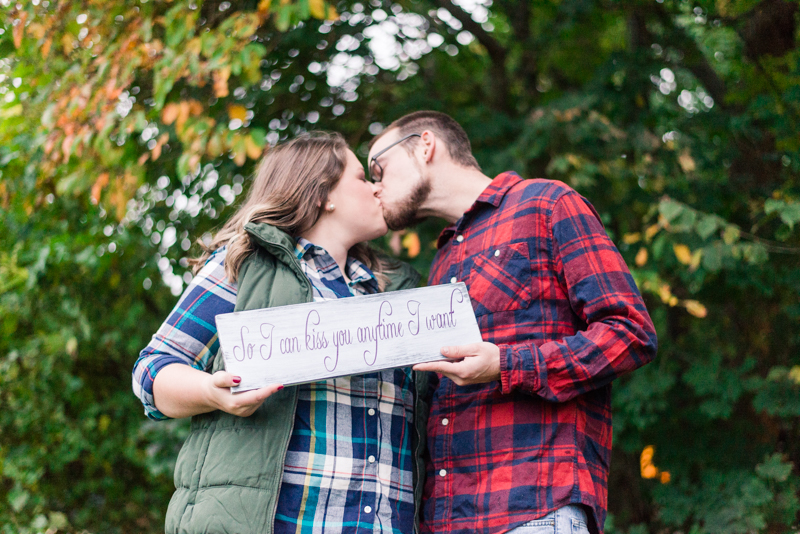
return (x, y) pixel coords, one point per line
(551, 290)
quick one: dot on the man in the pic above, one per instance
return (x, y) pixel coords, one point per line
(520, 425)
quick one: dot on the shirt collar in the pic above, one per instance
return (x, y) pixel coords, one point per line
(492, 196)
(357, 272)
(497, 189)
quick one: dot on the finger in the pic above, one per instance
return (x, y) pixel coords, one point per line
(266, 392)
(256, 396)
(459, 351)
(445, 369)
(223, 379)
(436, 367)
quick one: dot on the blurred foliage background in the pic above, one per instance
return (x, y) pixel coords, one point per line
(130, 129)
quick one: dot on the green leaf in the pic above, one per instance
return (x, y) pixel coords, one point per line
(75, 182)
(670, 209)
(259, 136)
(706, 226)
(755, 253)
(774, 468)
(789, 212)
(284, 19)
(11, 274)
(731, 234)
(772, 205)
(17, 498)
(712, 258)
(11, 111)
(559, 164)
(685, 220)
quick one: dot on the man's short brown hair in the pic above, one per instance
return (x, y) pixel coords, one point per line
(444, 126)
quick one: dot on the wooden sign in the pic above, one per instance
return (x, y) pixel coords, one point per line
(320, 340)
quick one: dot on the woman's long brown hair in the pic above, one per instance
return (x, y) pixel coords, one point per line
(291, 184)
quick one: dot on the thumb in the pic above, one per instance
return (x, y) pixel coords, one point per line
(223, 379)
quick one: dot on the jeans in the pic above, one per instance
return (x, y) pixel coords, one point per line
(567, 520)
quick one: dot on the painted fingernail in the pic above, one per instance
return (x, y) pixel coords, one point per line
(237, 379)
(280, 388)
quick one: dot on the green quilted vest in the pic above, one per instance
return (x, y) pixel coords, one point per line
(228, 473)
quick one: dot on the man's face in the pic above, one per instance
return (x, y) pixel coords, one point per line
(403, 185)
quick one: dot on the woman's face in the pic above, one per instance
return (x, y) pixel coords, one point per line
(357, 210)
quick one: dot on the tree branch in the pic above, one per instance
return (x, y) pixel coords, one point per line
(693, 58)
(521, 26)
(497, 52)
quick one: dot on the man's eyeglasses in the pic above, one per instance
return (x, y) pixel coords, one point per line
(375, 169)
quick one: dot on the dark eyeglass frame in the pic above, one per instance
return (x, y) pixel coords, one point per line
(376, 177)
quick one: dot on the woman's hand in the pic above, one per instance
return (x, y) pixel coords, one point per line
(218, 390)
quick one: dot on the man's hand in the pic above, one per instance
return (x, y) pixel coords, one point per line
(218, 390)
(476, 363)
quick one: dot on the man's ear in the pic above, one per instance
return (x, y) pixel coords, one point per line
(428, 139)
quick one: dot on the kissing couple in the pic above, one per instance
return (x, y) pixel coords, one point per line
(512, 434)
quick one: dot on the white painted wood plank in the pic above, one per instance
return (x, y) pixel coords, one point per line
(320, 340)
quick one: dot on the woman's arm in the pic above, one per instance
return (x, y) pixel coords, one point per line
(189, 334)
(169, 377)
(183, 391)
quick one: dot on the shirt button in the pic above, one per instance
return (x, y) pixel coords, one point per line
(442, 472)
(371, 411)
(445, 421)
(460, 238)
(371, 459)
(368, 509)
(453, 280)
(496, 253)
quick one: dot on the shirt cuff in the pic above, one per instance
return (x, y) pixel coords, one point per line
(153, 414)
(144, 377)
(518, 368)
(505, 368)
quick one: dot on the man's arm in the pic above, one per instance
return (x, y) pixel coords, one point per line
(619, 336)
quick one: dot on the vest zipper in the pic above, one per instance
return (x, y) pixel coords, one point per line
(310, 298)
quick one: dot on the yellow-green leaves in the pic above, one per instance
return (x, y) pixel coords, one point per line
(787, 210)
(716, 242)
(11, 274)
(126, 71)
(683, 253)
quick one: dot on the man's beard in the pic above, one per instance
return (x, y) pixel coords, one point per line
(405, 214)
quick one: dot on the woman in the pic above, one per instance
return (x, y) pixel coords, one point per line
(329, 456)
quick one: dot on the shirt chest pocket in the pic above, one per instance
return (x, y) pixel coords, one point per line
(500, 279)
